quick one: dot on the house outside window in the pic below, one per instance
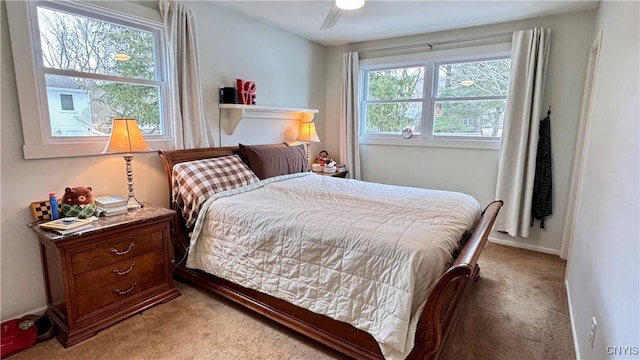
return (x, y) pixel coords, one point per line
(453, 95)
(89, 65)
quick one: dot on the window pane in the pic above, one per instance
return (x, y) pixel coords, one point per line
(66, 102)
(469, 118)
(396, 84)
(392, 118)
(480, 78)
(97, 102)
(74, 42)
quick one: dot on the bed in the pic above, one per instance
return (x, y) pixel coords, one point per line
(234, 217)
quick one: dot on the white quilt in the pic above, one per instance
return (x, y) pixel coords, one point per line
(363, 253)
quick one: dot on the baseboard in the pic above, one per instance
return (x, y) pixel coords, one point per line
(573, 325)
(524, 246)
(37, 311)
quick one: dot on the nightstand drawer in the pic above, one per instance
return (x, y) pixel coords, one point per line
(119, 271)
(119, 291)
(114, 252)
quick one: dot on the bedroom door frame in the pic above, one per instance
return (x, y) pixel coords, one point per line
(579, 153)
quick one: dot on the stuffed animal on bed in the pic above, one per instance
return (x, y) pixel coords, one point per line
(78, 202)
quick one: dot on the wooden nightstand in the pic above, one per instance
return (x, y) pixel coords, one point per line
(118, 267)
(341, 174)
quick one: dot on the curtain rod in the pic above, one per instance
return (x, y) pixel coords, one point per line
(430, 45)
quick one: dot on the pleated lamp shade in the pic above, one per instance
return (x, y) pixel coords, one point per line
(126, 137)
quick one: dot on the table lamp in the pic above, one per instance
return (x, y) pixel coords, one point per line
(126, 138)
(308, 134)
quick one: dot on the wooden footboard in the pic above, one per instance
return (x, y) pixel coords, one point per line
(436, 321)
(444, 302)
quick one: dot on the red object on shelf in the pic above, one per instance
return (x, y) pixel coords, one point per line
(246, 92)
(17, 335)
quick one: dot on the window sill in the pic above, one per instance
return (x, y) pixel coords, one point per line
(59, 150)
(489, 144)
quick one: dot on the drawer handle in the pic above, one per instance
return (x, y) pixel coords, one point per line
(116, 271)
(123, 252)
(130, 289)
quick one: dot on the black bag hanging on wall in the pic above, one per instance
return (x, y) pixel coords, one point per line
(542, 188)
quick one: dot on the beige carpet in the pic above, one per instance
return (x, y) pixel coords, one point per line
(517, 310)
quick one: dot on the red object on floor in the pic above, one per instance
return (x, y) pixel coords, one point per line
(17, 335)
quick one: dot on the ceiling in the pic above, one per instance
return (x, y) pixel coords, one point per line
(379, 19)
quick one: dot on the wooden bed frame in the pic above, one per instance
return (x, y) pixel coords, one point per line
(435, 323)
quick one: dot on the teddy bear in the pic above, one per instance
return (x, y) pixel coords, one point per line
(78, 202)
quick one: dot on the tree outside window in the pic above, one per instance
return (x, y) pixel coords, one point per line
(471, 98)
(394, 100)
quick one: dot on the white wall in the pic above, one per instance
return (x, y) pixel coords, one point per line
(475, 171)
(288, 70)
(603, 276)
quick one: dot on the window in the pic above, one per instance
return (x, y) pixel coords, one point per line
(471, 98)
(454, 95)
(394, 100)
(89, 65)
(66, 102)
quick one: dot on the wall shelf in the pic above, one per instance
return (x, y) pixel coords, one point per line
(231, 114)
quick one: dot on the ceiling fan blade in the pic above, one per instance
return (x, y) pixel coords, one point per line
(332, 17)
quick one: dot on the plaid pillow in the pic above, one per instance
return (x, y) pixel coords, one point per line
(195, 181)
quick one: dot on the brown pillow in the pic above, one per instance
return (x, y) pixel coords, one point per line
(244, 153)
(270, 161)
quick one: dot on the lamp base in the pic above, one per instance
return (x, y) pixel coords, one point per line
(133, 203)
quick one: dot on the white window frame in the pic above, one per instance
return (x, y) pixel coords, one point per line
(428, 78)
(38, 140)
(430, 60)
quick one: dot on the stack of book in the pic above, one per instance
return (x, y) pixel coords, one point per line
(110, 205)
(67, 225)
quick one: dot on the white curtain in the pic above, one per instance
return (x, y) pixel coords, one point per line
(190, 128)
(349, 148)
(529, 54)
